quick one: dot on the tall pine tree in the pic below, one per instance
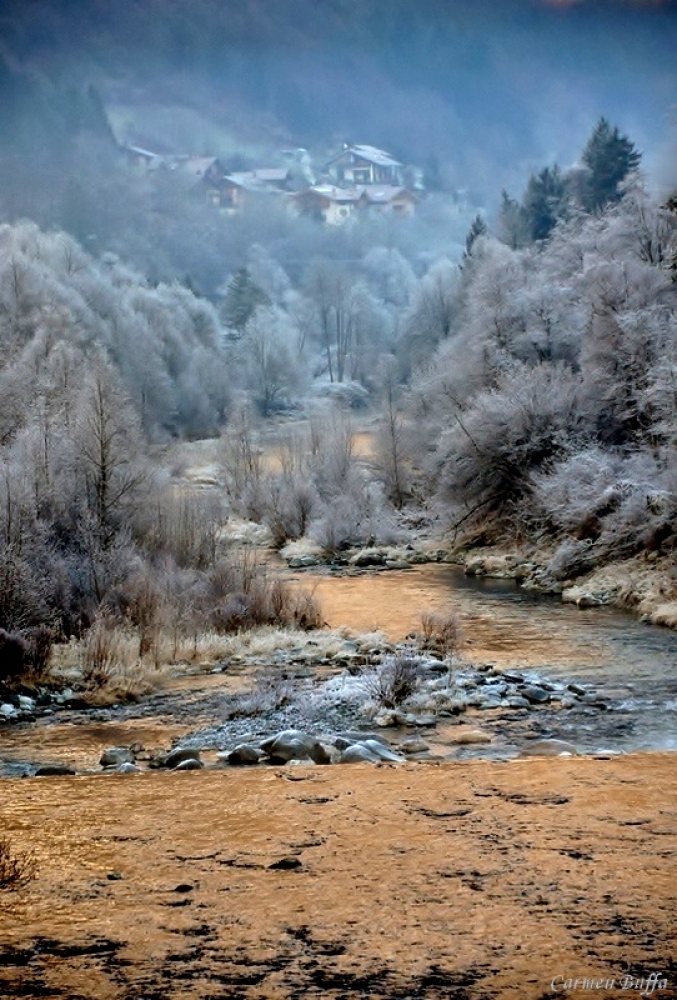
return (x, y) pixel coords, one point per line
(609, 158)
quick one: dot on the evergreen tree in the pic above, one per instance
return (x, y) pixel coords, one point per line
(478, 227)
(545, 202)
(609, 158)
(242, 297)
(512, 225)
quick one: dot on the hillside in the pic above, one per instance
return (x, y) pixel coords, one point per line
(489, 89)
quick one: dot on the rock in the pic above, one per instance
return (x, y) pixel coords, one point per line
(114, 876)
(397, 564)
(414, 745)
(190, 764)
(243, 755)
(53, 770)
(497, 566)
(382, 752)
(293, 744)
(492, 690)
(515, 701)
(386, 717)
(7, 711)
(548, 748)
(285, 864)
(453, 706)
(358, 753)
(301, 562)
(116, 755)
(127, 767)
(367, 557)
(511, 677)
(489, 704)
(423, 720)
(26, 704)
(357, 736)
(178, 756)
(536, 695)
(301, 762)
(583, 598)
(577, 689)
(467, 737)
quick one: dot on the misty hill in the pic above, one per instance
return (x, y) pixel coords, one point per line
(489, 90)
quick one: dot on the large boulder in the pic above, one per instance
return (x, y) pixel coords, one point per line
(293, 744)
(175, 757)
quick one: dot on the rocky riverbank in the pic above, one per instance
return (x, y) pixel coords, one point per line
(645, 584)
(343, 701)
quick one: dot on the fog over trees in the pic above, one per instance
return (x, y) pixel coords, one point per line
(518, 340)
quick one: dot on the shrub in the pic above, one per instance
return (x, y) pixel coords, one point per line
(13, 656)
(241, 595)
(39, 643)
(395, 680)
(100, 652)
(16, 870)
(441, 631)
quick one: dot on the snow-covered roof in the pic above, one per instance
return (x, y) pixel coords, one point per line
(369, 153)
(375, 155)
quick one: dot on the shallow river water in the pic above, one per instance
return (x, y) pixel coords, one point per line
(631, 665)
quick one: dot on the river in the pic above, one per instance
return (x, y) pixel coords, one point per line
(631, 665)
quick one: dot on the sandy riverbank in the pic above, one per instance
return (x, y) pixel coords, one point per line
(458, 880)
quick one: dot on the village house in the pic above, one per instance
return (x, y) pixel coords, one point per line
(336, 206)
(357, 165)
(326, 203)
(143, 160)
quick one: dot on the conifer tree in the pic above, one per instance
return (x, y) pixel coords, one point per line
(478, 227)
(243, 296)
(545, 202)
(609, 158)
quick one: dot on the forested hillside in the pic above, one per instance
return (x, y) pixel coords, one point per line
(473, 89)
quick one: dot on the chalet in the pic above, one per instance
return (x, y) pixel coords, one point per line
(387, 198)
(336, 206)
(143, 160)
(263, 178)
(356, 165)
(326, 203)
